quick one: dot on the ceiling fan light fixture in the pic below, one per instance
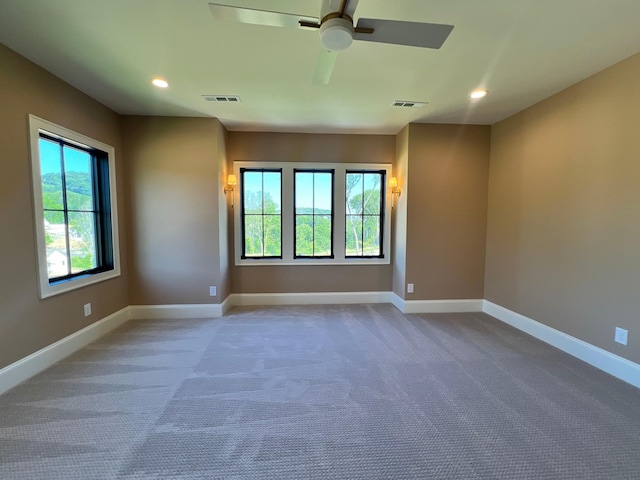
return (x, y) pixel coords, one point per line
(336, 34)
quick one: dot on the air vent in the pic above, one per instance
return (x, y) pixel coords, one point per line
(406, 104)
(222, 98)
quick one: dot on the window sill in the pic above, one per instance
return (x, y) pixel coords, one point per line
(299, 262)
(50, 290)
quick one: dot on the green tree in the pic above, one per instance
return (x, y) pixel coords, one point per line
(363, 214)
(262, 225)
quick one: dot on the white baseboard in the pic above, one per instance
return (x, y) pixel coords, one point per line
(318, 298)
(27, 367)
(606, 361)
(33, 364)
(171, 312)
(397, 301)
(227, 305)
(436, 306)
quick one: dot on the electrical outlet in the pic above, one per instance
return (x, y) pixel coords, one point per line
(409, 287)
(87, 309)
(213, 291)
(621, 335)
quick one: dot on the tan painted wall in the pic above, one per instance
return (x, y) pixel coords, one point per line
(399, 214)
(564, 210)
(447, 211)
(174, 178)
(27, 323)
(292, 147)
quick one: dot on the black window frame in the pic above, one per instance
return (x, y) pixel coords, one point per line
(331, 171)
(102, 218)
(383, 197)
(242, 213)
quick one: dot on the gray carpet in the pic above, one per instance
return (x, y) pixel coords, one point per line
(327, 392)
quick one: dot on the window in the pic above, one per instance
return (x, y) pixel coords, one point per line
(312, 214)
(364, 213)
(261, 213)
(75, 208)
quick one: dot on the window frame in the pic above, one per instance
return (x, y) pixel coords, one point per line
(330, 171)
(288, 226)
(243, 215)
(383, 191)
(108, 240)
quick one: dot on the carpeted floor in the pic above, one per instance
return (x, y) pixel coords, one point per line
(324, 392)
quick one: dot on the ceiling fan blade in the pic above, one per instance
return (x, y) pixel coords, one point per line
(324, 67)
(397, 32)
(258, 17)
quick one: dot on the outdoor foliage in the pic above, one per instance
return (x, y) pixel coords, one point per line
(262, 225)
(81, 223)
(363, 206)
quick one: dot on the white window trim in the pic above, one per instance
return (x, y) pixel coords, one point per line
(37, 125)
(287, 215)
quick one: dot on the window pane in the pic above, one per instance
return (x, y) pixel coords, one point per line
(272, 236)
(372, 193)
(51, 170)
(322, 235)
(253, 245)
(354, 235)
(354, 185)
(56, 242)
(272, 193)
(252, 192)
(82, 241)
(77, 176)
(371, 236)
(304, 235)
(304, 192)
(322, 193)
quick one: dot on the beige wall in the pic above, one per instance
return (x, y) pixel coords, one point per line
(27, 323)
(292, 147)
(399, 214)
(448, 167)
(174, 174)
(561, 232)
(564, 210)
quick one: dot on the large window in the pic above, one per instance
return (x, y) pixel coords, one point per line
(74, 198)
(312, 214)
(364, 213)
(261, 213)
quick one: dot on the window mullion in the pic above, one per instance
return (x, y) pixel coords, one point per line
(65, 206)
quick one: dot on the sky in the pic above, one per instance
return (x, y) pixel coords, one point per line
(75, 160)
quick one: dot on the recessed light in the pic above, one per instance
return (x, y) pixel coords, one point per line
(479, 93)
(160, 83)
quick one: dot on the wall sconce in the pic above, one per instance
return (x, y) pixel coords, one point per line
(231, 182)
(395, 189)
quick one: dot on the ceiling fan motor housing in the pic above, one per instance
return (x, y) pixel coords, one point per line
(336, 34)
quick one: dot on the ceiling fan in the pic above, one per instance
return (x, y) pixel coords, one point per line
(337, 30)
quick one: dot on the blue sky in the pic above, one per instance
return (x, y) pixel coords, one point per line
(75, 160)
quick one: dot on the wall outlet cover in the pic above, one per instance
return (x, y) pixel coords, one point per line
(87, 309)
(621, 335)
(213, 291)
(410, 288)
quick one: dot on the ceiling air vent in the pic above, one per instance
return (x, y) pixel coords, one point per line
(406, 104)
(222, 98)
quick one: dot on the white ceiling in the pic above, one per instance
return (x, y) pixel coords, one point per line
(521, 50)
